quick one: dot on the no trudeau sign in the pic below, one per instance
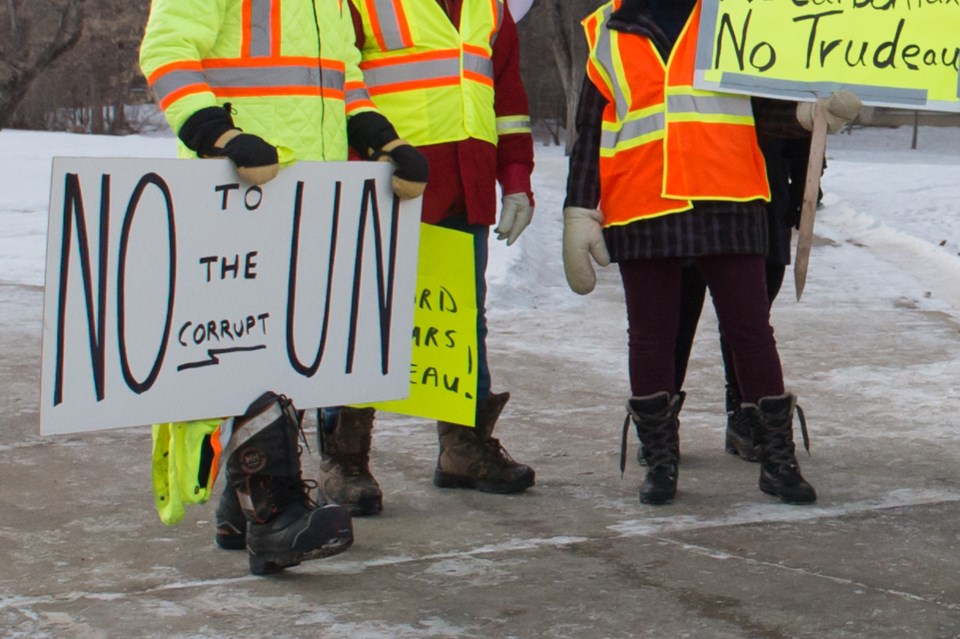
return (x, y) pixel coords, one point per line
(898, 53)
(174, 292)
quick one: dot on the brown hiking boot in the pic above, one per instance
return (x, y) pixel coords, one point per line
(345, 474)
(471, 458)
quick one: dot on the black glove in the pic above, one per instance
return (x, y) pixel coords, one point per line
(202, 129)
(411, 164)
(368, 131)
(248, 150)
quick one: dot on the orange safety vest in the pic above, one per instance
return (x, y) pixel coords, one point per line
(665, 144)
(433, 82)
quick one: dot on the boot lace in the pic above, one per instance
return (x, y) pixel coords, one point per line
(660, 447)
(495, 450)
(780, 449)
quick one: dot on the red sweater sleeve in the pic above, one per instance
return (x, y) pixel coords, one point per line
(515, 150)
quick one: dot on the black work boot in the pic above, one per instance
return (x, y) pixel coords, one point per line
(681, 395)
(231, 522)
(284, 526)
(345, 461)
(471, 458)
(743, 431)
(779, 471)
(655, 417)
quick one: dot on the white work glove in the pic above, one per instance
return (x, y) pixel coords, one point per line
(582, 239)
(842, 108)
(515, 215)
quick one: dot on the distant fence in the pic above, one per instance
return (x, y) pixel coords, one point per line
(884, 117)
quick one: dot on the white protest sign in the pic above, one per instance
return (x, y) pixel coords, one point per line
(175, 292)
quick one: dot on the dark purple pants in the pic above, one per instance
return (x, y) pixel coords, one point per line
(737, 285)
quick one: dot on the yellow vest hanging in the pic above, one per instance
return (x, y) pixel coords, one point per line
(665, 144)
(433, 82)
(186, 461)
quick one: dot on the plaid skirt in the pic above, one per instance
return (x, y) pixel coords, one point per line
(710, 228)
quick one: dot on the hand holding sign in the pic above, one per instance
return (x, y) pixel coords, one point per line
(840, 109)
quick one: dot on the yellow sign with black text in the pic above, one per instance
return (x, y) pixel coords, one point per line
(443, 368)
(893, 53)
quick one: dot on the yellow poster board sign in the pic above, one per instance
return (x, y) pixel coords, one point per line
(893, 53)
(443, 368)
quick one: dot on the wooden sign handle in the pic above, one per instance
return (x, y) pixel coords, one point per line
(811, 190)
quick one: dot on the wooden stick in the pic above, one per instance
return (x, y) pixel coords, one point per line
(811, 190)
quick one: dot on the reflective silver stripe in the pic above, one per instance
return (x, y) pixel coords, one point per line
(604, 54)
(276, 76)
(389, 24)
(357, 95)
(411, 72)
(260, 28)
(710, 104)
(175, 80)
(252, 77)
(225, 433)
(513, 125)
(249, 429)
(632, 130)
(481, 65)
(246, 503)
(498, 20)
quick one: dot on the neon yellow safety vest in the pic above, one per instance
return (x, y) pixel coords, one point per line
(433, 82)
(186, 460)
(289, 69)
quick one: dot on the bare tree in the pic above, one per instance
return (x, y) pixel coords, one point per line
(33, 33)
(556, 52)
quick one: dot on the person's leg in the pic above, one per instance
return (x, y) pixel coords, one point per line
(472, 457)
(739, 294)
(693, 291)
(737, 286)
(652, 293)
(344, 437)
(741, 435)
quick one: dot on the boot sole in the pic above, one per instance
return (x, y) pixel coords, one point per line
(444, 480)
(366, 507)
(231, 542)
(770, 489)
(659, 501)
(273, 563)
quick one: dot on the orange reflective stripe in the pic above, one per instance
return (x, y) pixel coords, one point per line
(276, 61)
(441, 54)
(478, 77)
(403, 24)
(375, 24)
(173, 96)
(246, 26)
(185, 65)
(475, 50)
(415, 84)
(252, 92)
(399, 27)
(275, 26)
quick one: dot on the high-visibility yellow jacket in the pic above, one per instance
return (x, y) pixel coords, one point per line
(289, 68)
(665, 144)
(433, 81)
